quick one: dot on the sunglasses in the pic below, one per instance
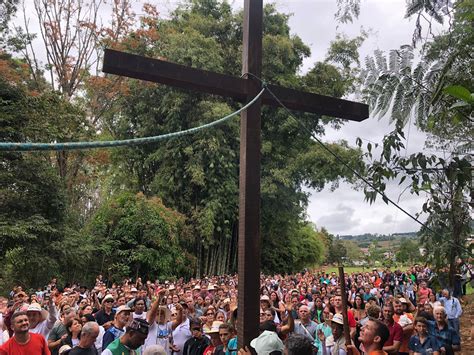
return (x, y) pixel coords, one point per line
(209, 314)
(196, 329)
(174, 314)
(109, 301)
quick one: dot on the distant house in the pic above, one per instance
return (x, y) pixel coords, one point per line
(365, 251)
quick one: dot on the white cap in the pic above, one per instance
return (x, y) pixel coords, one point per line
(34, 307)
(267, 342)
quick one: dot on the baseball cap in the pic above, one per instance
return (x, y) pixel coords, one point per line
(123, 308)
(266, 343)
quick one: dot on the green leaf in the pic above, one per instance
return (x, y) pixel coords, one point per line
(459, 104)
(459, 92)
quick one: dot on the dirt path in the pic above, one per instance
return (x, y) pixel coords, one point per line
(467, 326)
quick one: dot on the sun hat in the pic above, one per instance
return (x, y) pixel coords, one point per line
(266, 343)
(211, 287)
(265, 298)
(35, 307)
(338, 318)
(402, 300)
(133, 289)
(171, 288)
(214, 327)
(108, 297)
(197, 287)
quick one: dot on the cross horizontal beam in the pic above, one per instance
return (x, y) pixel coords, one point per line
(160, 71)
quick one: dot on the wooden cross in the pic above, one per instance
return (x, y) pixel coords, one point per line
(240, 89)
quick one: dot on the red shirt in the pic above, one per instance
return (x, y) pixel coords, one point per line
(396, 334)
(36, 345)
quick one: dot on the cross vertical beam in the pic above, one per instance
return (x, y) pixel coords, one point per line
(249, 179)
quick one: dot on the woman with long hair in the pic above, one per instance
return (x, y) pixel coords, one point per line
(359, 308)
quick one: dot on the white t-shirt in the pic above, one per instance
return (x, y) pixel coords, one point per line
(98, 341)
(180, 335)
(139, 316)
(159, 334)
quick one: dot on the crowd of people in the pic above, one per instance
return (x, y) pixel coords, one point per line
(388, 313)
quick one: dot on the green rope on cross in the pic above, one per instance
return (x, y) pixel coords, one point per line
(25, 147)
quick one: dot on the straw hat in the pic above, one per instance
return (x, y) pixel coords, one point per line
(214, 327)
(35, 307)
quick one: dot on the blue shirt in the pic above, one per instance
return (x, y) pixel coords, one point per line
(327, 333)
(417, 346)
(452, 307)
(446, 337)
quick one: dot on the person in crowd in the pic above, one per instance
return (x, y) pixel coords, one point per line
(139, 308)
(226, 333)
(448, 339)
(350, 315)
(105, 316)
(358, 309)
(209, 319)
(199, 342)
(392, 345)
(324, 328)
(422, 342)
(297, 344)
(305, 326)
(213, 334)
(23, 341)
(59, 332)
(117, 329)
(424, 293)
(41, 321)
(73, 328)
(182, 332)
(335, 343)
(453, 309)
(89, 333)
(373, 336)
(131, 341)
(405, 320)
(160, 325)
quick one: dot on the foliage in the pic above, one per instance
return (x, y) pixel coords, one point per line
(438, 93)
(408, 252)
(139, 236)
(35, 243)
(65, 209)
(198, 175)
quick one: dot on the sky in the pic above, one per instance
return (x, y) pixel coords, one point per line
(343, 211)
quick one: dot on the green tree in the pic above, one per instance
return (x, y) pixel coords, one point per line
(33, 224)
(408, 252)
(139, 236)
